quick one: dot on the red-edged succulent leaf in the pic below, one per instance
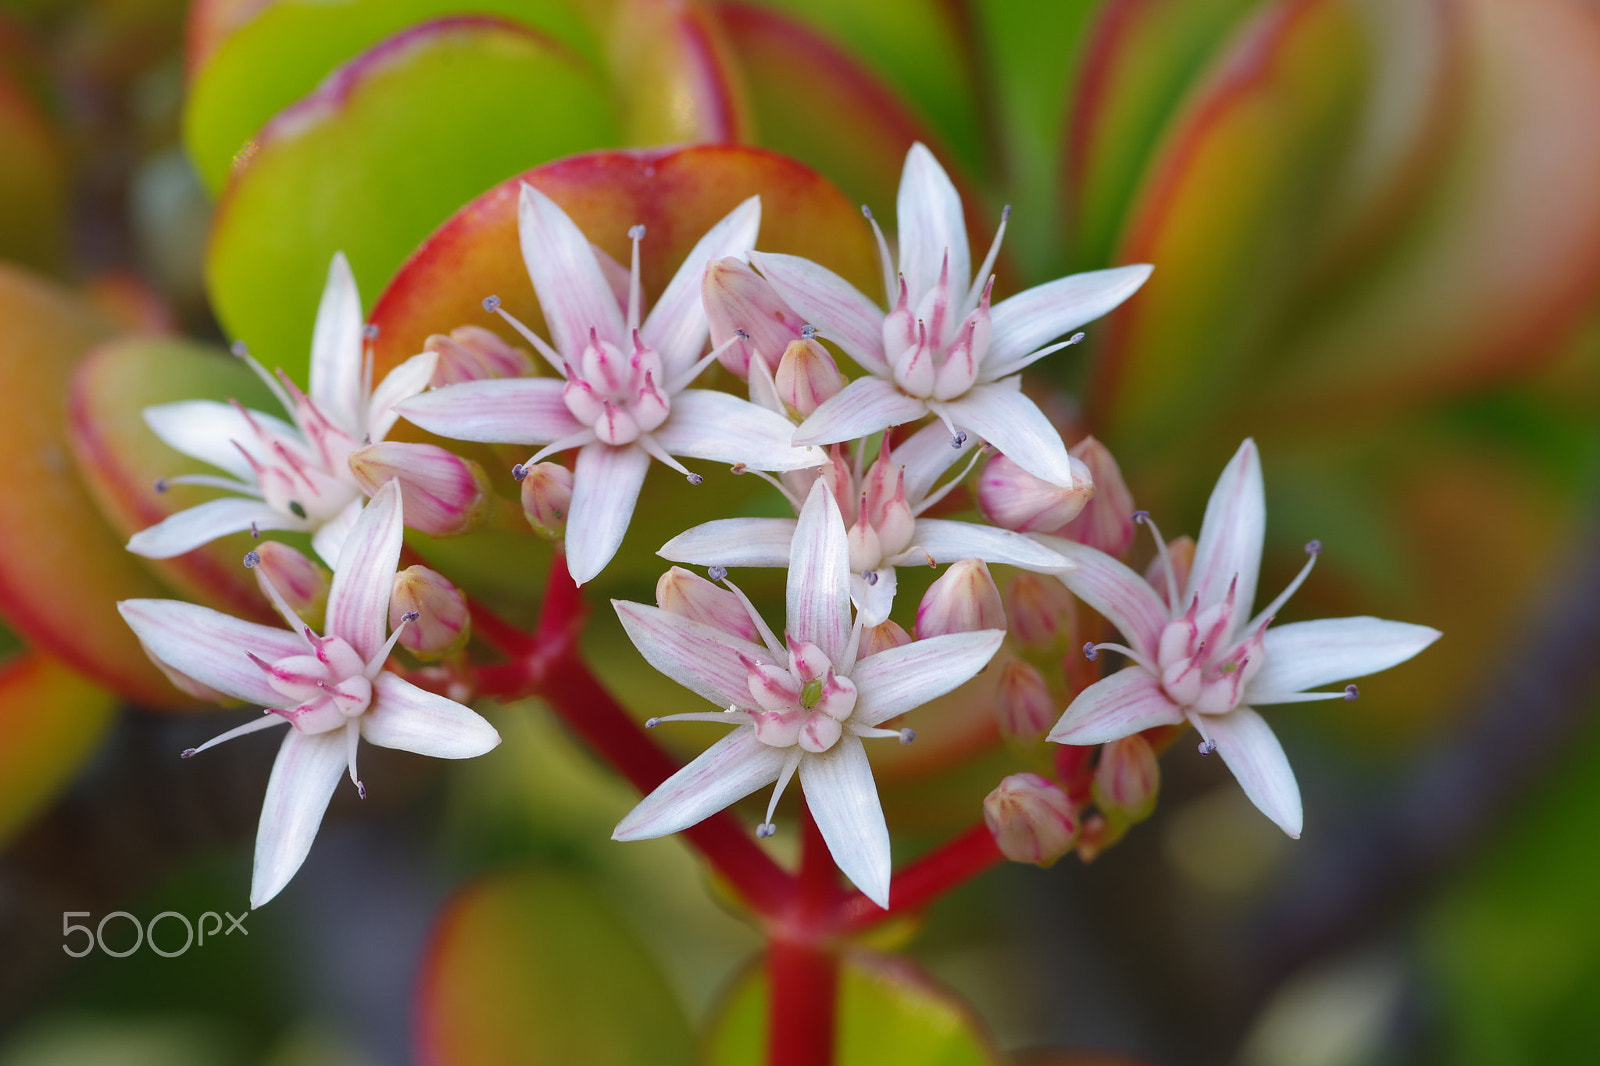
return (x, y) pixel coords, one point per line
(676, 193)
(120, 459)
(210, 23)
(534, 967)
(51, 719)
(676, 75)
(377, 157)
(62, 568)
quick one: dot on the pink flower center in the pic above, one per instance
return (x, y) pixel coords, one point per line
(1202, 666)
(806, 704)
(618, 396)
(326, 688)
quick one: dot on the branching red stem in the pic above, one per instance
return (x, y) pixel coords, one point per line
(947, 866)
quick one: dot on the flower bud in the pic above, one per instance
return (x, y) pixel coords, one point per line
(442, 624)
(441, 493)
(1032, 820)
(1014, 499)
(546, 499)
(1023, 703)
(964, 599)
(472, 353)
(1106, 521)
(806, 376)
(882, 637)
(738, 299)
(301, 581)
(1043, 617)
(1098, 834)
(1127, 779)
(691, 596)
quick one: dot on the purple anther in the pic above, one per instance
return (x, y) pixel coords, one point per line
(491, 304)
(252, 559)
(1090, 652)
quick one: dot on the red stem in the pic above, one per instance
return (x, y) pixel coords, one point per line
(953, 863)
(803, 962)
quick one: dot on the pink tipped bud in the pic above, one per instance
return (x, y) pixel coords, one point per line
(546, 498)
(964, 599)
(691, 596)
(440, 623)
(1023, 703)
(806, 376)
(1127, 779)
(1106, 521)
(738, 300)
(301, 581)
(1042, 614)
(1032, 820)
(1012, 498)
(472, 353)
(882, 638)
(441, 493)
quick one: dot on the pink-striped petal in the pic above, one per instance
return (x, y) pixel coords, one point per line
(733, 542)
(1303, 655)
(1129, 701)
(844, 800)
(605, 487)
(949, 542)
(336, 351)
(212, 647)
(186, 530)
(830, 303)
(875, 599)
(1027, 321)
(572, 289)
(214, 432)
(1231, 534)
(725, 429)
(930, 223)
(862, 408)
(1251, 750)
(408, 718)
(819, 576)
(676, 326)
(723, 774)
(1014, 425)
(328, 540)
(304, 776)
(897, 680)
(703, 659)
(1116, 592)
(494, 411)
(363, 578)
(403, 382)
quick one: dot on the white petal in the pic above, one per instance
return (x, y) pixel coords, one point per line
(494, 411)
(926, 455)
(1118, 594)
(1247, 744)
(328, 540)
(844, 800)
(1014, 425)
(1303, 655)
(676, 326)
(702, 659)
(186, 530)
(950, 542)
(406, 717)
(304, 775)
(605, 487)
(818, 595)
(930, 222)
(899, 679)
(337, 357)
(403, 382)
(212, 647)
(725, 429)
(572, 288)
(733, 542)
(830, 303)
(1231, 535)
(363, 578)
(874, 601)
(207, 430)
(724, 773)
(1032, 318)
(1128, 702)
(860, 409)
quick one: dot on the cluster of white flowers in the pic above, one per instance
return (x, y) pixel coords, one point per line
(621, 395)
